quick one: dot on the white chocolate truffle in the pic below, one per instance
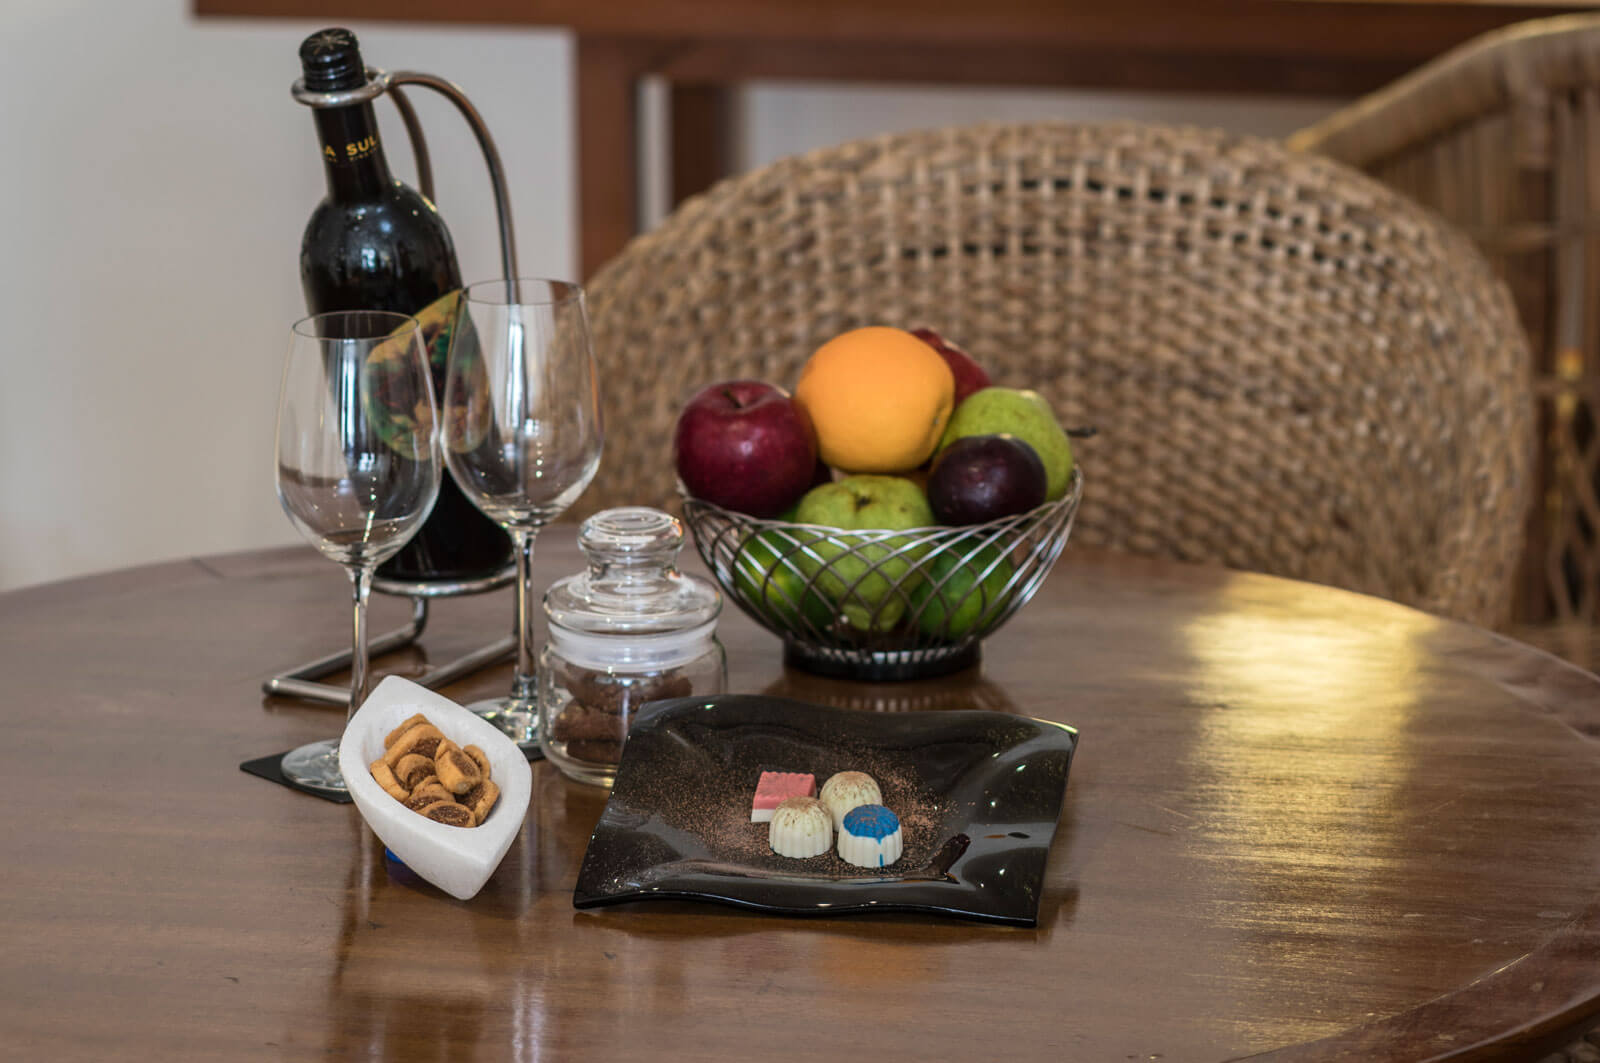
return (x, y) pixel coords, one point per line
(870, 837)
(800, 828)
(847, 790)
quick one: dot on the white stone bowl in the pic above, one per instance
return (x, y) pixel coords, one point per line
(459, 860)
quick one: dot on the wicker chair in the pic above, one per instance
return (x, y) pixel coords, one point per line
(1500, 136)
(1292, 369)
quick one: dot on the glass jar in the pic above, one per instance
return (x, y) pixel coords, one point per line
(629, 630)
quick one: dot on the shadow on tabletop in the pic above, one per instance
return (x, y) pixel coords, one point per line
(962, 690)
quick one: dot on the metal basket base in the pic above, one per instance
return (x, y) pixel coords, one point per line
(881, 666)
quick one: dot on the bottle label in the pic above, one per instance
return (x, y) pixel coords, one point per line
(391, 400)
(349, 136)
(356, 150)
(400, 414)
(353, 150)
(436, 320)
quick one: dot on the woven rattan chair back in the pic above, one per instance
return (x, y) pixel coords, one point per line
(1502, 138)
(1291, 369)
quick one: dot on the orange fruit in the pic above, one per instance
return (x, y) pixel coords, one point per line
(879, 399)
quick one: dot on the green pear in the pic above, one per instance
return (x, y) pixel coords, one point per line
(767, 574)
(961, 590)
(1024, 414)
(865, 574)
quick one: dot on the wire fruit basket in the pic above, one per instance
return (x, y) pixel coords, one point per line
(881, 604)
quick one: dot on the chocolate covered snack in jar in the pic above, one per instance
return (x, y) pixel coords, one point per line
(629, 630)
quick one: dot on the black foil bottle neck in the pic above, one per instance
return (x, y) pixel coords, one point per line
(331, 61)
(352, 154)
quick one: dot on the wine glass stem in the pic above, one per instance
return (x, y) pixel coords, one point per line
(524, 685)
(361, 587)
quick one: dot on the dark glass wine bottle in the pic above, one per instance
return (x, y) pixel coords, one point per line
(374, 243)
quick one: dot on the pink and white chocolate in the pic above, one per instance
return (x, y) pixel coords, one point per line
(774, 786)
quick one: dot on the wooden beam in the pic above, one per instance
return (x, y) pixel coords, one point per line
(703, 138)
(732, 62)
(608, 72)
(1400, 30)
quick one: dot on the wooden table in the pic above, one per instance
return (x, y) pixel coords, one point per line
(703, 48)
(1301, 822)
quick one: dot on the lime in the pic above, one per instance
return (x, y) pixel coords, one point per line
(766, 574)
(962, 589)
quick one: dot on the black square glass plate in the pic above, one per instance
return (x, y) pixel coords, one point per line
(978, 795)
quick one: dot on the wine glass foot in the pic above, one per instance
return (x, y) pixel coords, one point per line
(517, 718)
(315, 767)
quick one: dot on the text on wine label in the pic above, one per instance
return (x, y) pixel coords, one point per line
(358, 149)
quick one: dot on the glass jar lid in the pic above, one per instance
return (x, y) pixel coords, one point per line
(632, 586)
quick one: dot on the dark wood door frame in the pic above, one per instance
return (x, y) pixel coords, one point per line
(704, 49)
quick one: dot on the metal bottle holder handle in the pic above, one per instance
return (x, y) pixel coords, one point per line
(301, 682)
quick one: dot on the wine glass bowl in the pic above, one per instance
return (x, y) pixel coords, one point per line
(357, 465)
(516, 482)
(522, 434)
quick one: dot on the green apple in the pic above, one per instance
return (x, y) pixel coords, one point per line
(961, 589)
(860, 572)
(1024, 414)
(767, 572)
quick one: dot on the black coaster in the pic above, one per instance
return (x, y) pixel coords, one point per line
(271, 769)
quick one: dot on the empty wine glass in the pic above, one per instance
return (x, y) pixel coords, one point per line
(358, 466)
(522, 435)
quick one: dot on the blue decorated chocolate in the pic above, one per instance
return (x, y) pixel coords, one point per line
(871, 821)
(870, 837)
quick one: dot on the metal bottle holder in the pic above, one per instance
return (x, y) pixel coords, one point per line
(301, 682)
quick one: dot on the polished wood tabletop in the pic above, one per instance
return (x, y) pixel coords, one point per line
(1301, 822)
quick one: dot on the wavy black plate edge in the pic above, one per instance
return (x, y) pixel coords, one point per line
(1048, 738)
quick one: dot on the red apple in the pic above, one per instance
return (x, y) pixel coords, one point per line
(745, 445)
(969, 375)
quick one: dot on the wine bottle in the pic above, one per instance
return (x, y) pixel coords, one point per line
(374, 243)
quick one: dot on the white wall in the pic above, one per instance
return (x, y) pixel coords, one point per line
(154, 178)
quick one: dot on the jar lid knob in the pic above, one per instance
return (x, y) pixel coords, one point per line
(630, 533)
(631, 586)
